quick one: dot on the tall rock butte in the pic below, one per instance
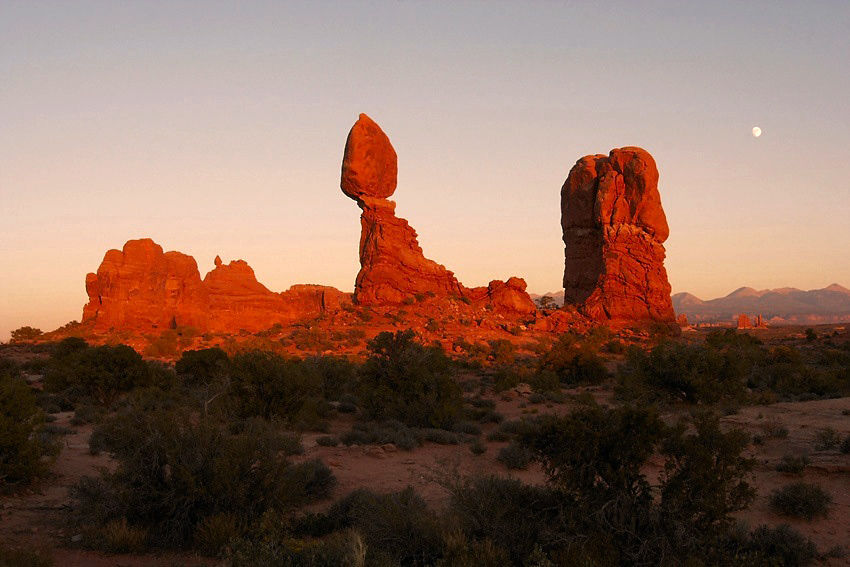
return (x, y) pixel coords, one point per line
(143, 289)
(614, 229)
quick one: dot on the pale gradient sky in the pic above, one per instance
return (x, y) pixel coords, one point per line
(218, 128)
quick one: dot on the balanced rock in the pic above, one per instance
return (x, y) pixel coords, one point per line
(392, 265)
(370, 164)
(614, 229)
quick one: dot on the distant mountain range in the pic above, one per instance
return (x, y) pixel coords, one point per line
(782, 306)
(557, 296)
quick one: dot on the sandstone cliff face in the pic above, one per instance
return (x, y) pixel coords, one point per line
(614, 229)
(142, 289)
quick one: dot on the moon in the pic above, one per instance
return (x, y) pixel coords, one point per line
(756, 132)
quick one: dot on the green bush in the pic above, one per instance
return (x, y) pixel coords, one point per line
(215, 533)
(397, 528)
(267, 385)
(204, 366)
(21, 448)
(573, 362)
(801, 500)
(514, 515)
(691, 373)
(327, 441)
(25, 334)
(792, 465)
(102, 373)
(174, 471)
(596, 459)
(388, 432)
(826, 439)
(514, 456)
(408, 382)
(23, 557)
(782, 545)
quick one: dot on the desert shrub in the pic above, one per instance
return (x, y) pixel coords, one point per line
(23, 557)
(801, 500)
(327, 441)
(398, 526)
(460, 551)
(388, 432)
(514, 456)
(692, 373)
(338, 375)
(503, 351)
(792, 465)
(573, 362)
(845, 445)
(439, 436)
(25, 334)
(271, 548)
(478, 447)
(215, 533)
(826, 439)
(545, 381)
(615, 346)
(118, 536)
(21, 448)
(312, 340)
(781, 545)
(504, 510)
(408, 382)
(68, 347)
(774, 428)
(104, 373)
(507, 377)
(204, 366)
(267, 385)
(467, 428)
(731, 338)
(173, 471)
(595, 458)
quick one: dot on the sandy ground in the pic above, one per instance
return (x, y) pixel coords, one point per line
(38, 518)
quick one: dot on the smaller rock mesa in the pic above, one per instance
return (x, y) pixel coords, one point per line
(143, 289)
(614, 229)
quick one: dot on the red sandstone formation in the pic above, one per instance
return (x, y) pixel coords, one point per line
(143, 289)
(504, 297)
(392, 265)
(614, 229)
(682, 320)
(744, 322)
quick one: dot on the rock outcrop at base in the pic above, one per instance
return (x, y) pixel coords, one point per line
(393, 267)
(143, 289)
(614, 229)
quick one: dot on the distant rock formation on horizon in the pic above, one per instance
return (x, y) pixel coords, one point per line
(143, 289)
(613, 229)
(781, 306)
(393, 268)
